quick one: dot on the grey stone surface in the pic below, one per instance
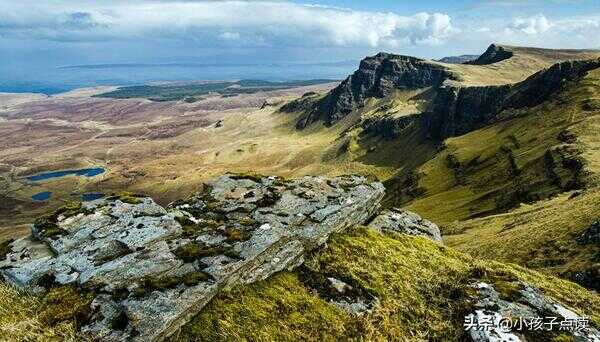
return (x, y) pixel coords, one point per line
(405, 222)
(527, 302)
(153, 268)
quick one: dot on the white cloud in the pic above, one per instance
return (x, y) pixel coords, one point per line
(575, 32)
(533, 25)
(252, 23)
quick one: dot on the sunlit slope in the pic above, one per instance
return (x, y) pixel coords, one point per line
(544, 235)
(524, 62)
(422, 289)
(525, 156)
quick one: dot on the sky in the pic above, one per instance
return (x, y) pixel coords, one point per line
(36, 35)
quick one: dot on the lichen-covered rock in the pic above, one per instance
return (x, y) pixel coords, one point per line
(520, 312)
(405, 222)
(151, 269)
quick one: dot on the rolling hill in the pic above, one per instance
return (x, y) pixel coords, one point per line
(501, 152)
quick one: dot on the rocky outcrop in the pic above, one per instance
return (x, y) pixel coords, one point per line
(521, 312)
(405, 222)
(493, 54)
(376, 76)
(152, 268)
(590, 236)
(459, 110)
(565, 166)
(454, 110)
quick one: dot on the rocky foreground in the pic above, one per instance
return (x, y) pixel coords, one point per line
(154, 268)
(151, 269)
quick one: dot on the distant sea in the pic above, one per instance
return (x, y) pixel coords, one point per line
(60, 79)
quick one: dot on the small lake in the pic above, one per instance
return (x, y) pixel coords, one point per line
(89, 172)
(42, 196)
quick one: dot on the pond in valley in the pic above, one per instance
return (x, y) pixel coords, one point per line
(42, 196)
(88, 172)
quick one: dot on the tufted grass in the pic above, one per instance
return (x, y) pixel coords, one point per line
(52, 317)
(422, 288)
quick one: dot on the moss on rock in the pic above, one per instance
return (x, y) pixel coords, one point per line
(127, 197)
(423, 291)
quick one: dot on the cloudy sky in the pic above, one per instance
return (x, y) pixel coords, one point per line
(65, 32)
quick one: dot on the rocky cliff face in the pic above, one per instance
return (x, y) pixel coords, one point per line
(459, 110)
(493, 54)
(376, 76)
(152, 268)
(455, 110)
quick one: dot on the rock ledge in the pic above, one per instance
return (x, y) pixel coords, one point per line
(152, 268)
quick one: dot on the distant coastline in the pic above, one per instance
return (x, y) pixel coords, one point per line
(56, 80)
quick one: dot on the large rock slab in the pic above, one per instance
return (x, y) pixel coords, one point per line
(153, 268)
(406, 222)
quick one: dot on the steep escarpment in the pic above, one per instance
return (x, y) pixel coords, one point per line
(376, 77)
(459, 110)
(493, 54)
(456, 107)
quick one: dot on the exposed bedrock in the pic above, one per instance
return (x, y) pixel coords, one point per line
(459, 110)
(376, 76)
(454, 109)
(406, 222)
(520, 312)
(152, 268)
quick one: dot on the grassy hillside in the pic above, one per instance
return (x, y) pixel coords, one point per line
(422, 289)
(542, 235)
(524, 62)
(528, 155)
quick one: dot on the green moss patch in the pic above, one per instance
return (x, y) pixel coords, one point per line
(194, 251)
(236, 234)
(65, 304)
(423, 290)
(127, 197)
(168, 282)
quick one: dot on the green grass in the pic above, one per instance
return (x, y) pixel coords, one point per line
(54, 316)
(541, 235)
(421, 286)
(515, 160)
(191, 92)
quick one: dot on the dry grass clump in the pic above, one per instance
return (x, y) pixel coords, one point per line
(52, 317)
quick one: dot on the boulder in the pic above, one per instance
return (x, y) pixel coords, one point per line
(152, 268)
(405, 222)
(521, 310)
